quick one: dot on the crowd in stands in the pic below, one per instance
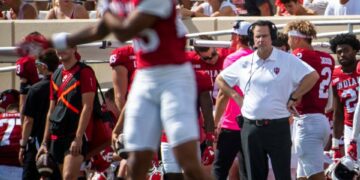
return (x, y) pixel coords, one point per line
(76, 9)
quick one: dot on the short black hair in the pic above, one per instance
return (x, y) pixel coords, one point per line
(201, 48)
(348, 38)
(281, 40)
(13, 107)
(51, 59)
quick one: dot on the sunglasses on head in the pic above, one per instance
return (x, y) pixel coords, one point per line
(207, 58)
(37, 62)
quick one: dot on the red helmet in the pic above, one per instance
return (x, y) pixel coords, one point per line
(7, 97)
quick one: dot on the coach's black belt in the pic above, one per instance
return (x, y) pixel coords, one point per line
(265, 122)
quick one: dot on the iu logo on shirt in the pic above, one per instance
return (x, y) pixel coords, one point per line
(276, 70)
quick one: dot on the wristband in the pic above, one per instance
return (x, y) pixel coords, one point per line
(335, 143)
(59, 40)
(44, 144)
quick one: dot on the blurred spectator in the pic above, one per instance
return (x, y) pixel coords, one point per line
(240, 7)
(185, 3)
(90, 5)
(258, 8)
(342, 7)
(280, 8)
(281, 42)
(66, 9)
(19, 9)
(318, 6)
(296, 9)
(211, 8)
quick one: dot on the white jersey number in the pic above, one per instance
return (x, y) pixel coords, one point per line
(147, 42)
(351, 102)
(11, 123)
(324, 92)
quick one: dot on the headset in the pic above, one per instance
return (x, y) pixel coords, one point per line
(271, 25)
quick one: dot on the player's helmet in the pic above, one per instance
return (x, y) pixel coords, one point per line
(341, 170)
(46, 165)
(8, 97)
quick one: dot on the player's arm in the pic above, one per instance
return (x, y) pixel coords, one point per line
(206, 106)
(338, 116)
(43, 147)
(125, 29)
(305, 85)
(118, 127)
(26, 130)
(356, 122)
(85, 115)
(221, 101)
(229, 91)
(22, 96)
(25, 134)
(120, 83)
(87, 35)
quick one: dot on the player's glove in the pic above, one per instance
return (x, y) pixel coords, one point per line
(352, 150)
(208, 156)
(336, 154)
(209, 138)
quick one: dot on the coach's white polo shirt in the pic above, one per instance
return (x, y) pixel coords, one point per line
(267, 84)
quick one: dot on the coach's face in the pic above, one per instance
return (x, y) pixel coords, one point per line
(262, 37)
(66, 55)
(346, 55)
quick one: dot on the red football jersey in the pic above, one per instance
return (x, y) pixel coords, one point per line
(124, 56)
(162, 44)
(347, 87)
(10, 135)
(315, 100)
(212, 69)
(26, 68)
(203, 83)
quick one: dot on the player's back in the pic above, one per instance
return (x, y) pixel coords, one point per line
(316, 99)
(10, 135)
